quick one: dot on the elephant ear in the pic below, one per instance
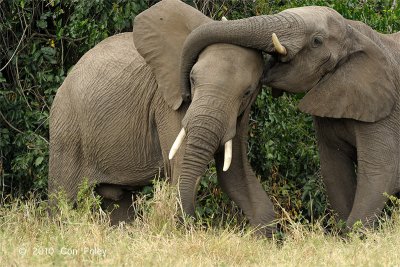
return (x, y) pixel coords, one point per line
(159, 33)
(361, 87)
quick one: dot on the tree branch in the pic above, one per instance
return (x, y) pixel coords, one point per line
(16, 49)
(8, 123)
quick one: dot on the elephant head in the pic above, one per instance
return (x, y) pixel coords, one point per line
(339, 63)
(224, 81)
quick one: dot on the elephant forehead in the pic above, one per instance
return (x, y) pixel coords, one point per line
(231, 56)
(311, 11)
(320, 20)
(315, 16)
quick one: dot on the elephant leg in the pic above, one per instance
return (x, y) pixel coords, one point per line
(66, 161)
(339, 177)
(116, 201)
(337, 161)
(377, 153)
(65, 171)
(243, 187)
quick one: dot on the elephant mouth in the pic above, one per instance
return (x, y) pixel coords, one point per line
(277, 75)
(276, 66)
(274, 72)
(271, 64)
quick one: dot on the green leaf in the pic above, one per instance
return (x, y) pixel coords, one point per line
(42, 24)
(38, 161)
(2, 79)
(48, 51)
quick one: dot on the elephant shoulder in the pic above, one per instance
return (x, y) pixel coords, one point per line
(115, 52)
(111, 63)
(112, 69)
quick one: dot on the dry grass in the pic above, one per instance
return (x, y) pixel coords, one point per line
(29, 237)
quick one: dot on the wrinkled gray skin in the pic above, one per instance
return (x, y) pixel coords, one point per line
(117, 114)
(351, 75)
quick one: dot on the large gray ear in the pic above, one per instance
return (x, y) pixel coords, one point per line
(159, 33)
(360, 88)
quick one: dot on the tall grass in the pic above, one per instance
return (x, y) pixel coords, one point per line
(82, 236)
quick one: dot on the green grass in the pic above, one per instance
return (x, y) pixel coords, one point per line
(82, 236)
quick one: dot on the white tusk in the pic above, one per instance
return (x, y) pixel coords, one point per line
(177, 143)
(278, 46)
(227, 155)
(224, 18)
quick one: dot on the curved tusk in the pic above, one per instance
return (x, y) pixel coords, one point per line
(177, 143)
(227, 155)
(278, 46)
(224, 18)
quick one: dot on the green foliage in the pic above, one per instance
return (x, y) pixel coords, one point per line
(87, 200)
(41, 40)
(214, 206)
(282, 150)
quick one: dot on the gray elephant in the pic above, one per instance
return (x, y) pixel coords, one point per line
(351, 78)
(116, 116)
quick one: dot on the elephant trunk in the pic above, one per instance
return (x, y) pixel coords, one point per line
(205, 130)
(254, 32)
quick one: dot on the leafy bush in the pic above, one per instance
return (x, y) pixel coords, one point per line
(41, 40)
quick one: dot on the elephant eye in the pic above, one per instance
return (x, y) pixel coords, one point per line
(317, 41)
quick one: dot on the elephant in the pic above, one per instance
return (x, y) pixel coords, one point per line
(115, 117)
(350, 79)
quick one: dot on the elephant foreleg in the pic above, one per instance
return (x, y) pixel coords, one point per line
(337, 161)
(339, 176)
(377, 152)
(243, 187)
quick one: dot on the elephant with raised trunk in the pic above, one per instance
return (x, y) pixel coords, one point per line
(116, 116)
(351, 77)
